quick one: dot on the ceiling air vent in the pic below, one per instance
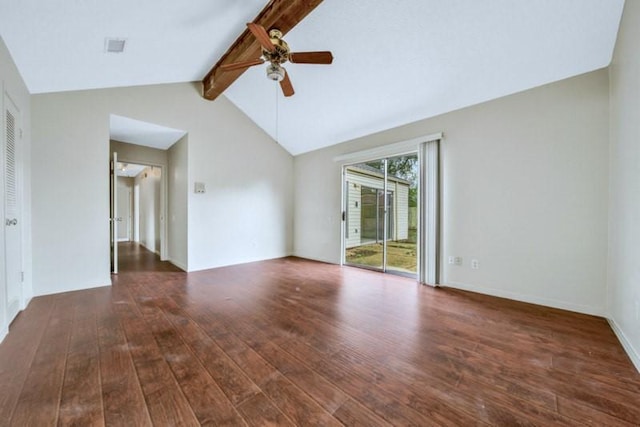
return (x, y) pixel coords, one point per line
(113, 45)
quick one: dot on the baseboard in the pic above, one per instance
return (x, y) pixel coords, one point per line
(3, 333)
(626, 344)
(27, 300)
(244, 261)
(325, 260)
(149, 249)
(97, 284)
(178, 264)
(562, 305)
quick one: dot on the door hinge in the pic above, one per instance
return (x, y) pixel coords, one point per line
(22, 276)
(344, 215)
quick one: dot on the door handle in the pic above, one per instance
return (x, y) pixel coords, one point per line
(10, 222)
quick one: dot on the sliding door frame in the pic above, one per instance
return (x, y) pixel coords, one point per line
(386, 216)
(428, 192)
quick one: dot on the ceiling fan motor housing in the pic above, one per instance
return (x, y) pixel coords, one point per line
(280, 53)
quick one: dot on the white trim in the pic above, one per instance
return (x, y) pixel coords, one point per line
(3, 334)
(27, 300)
(325, 260)
(388, 150)
(180, 265)
(626, 344)
(6, 93)
(153, 251)
(501, 293)
(82, 287)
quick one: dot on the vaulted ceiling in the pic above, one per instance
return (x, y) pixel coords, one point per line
(396, 61)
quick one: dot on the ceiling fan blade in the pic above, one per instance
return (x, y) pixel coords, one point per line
(286, 86)
(324, 57)
(242, 64)
(261, 34)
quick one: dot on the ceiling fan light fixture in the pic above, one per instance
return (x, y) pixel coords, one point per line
(275, 72)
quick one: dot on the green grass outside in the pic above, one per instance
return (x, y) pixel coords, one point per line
(401, 255)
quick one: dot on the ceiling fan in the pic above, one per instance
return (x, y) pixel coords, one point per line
(276, 52)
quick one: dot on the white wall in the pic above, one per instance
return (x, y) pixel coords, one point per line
(149, 209)
(624, 214)
(524, 191)
(246, 213)
(11, 83)
(244, 170)
(138, 154)
(178, 181)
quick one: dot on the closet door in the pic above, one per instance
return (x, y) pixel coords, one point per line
(12, 207)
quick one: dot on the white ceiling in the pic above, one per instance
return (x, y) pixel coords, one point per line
(58, 45)
(129, 170)
(125, 129)
(396, 61)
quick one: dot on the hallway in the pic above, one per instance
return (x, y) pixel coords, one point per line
(133, 257)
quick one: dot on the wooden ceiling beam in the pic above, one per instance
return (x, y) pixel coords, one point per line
(280, 14)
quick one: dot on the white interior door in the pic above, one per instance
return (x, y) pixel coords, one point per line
(12, 206)
(124, 214)
(113, 220)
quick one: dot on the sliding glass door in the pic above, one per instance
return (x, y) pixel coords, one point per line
(381, 214)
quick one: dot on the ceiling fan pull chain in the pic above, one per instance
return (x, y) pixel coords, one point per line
(277, 112)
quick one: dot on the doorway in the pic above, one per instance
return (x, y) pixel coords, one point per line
(381, 214)
(163, 151)
(138, 204)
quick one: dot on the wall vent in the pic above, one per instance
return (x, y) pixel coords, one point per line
(114, 45)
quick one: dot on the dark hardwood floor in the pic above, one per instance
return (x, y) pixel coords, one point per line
(295, 342)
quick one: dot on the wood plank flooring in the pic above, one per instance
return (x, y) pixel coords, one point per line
(296, 342)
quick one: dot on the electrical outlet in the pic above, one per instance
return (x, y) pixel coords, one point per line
(452, 260)
(458, 260)
(475, 264)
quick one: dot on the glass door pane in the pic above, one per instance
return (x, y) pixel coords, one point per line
(364, 215)
(381, 214)
(402, 214)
